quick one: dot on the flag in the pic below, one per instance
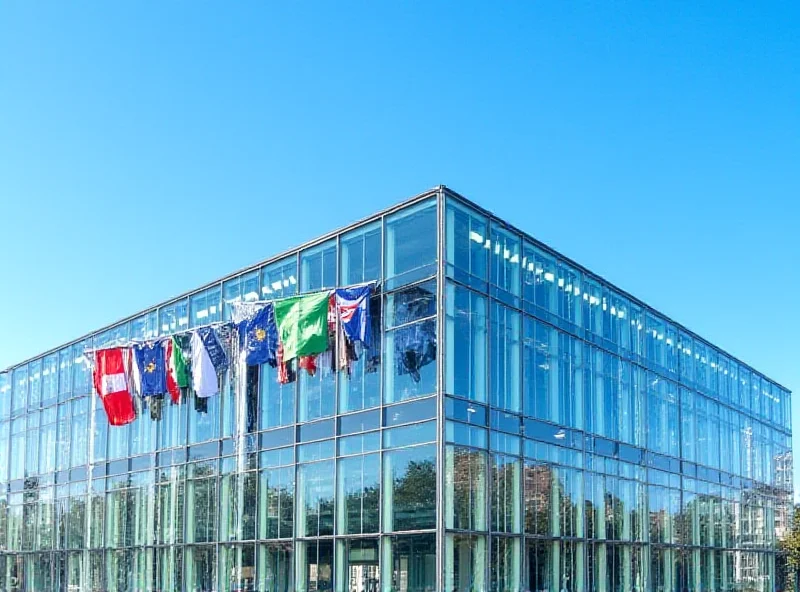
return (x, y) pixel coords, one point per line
(135, 379)
(177, 377)
(111, 385)
(261, 337)
(352, 305)
(302, 324)
(208, 359)
(150, 363)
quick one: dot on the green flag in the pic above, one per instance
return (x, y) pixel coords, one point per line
(302, 324)
(177, 377)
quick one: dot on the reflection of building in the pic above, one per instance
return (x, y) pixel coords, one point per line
(784, 487)
(518, 423)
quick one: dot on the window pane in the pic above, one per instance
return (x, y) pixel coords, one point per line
(616, 318)
(540, 279)
(505, 564)
(201, 503)
(315, 498)
(409, 435)
(465, 479)
(145, 327)
(569, 294)
(467, 243)
(358, 494)
(204, 418)
(505, 375)
(276, 503)
(240, 289)
(64, 374)
(411, 304)
(465, 563)
(237, 567)
(416, 411)
(169, 507)
(361, 388)
(318, 267)
(409, 489)
(277, 400)
(17, 449)
(79, 441)
(5, 396)
(237, 505)
(315, 563)
(466, 343)
(279, 279)
(169, 568)
(20, 390)
(357, 565)
(317, 394)
(205, 307)
(275, 567)
(64, 436)
(167, 319)
(506, 493)
(5, 429)
(361, 255)
(409, 562)
(81, 371)
(411, 244)
(35, 386)
(410, 369)
(662, 402)
(505, 264)
(201, 568)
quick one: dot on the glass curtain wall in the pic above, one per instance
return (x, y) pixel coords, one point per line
(591, 445)
(516, 423)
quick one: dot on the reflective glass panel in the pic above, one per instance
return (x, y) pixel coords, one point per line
(468, 243)
(466, 339)
(361, 255)
(318, 267)
(279, 279)
(358, 494)
(410, 249)
(409, 489)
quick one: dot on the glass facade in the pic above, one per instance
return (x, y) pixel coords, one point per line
(518, 423)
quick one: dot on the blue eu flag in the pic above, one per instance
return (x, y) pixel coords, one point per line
(261, 337)
(152, 368)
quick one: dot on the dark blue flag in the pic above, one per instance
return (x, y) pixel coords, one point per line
(214, 348)
(352, 304)
(261, 338)
(152, 368)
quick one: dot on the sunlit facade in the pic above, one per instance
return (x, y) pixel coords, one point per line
(519, 424)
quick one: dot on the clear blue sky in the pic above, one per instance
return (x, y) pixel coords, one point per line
(149, 147)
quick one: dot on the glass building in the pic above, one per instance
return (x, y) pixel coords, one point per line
(520, 424)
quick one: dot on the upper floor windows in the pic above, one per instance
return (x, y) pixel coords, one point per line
(410, 244)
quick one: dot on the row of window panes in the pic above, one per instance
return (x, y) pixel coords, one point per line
(412, 308)
(504, 493)
(397, 563)
(409, 254)
(558, 501)
(351, 496)
(404, 562)
(485, 255)
(524, 365)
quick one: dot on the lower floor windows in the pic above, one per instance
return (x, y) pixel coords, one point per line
(469, 562)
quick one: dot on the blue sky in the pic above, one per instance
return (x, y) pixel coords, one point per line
(148, 147)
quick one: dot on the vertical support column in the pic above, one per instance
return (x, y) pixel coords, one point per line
(89, 476)
(440, 388)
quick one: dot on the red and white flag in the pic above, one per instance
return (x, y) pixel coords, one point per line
(111, 383)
